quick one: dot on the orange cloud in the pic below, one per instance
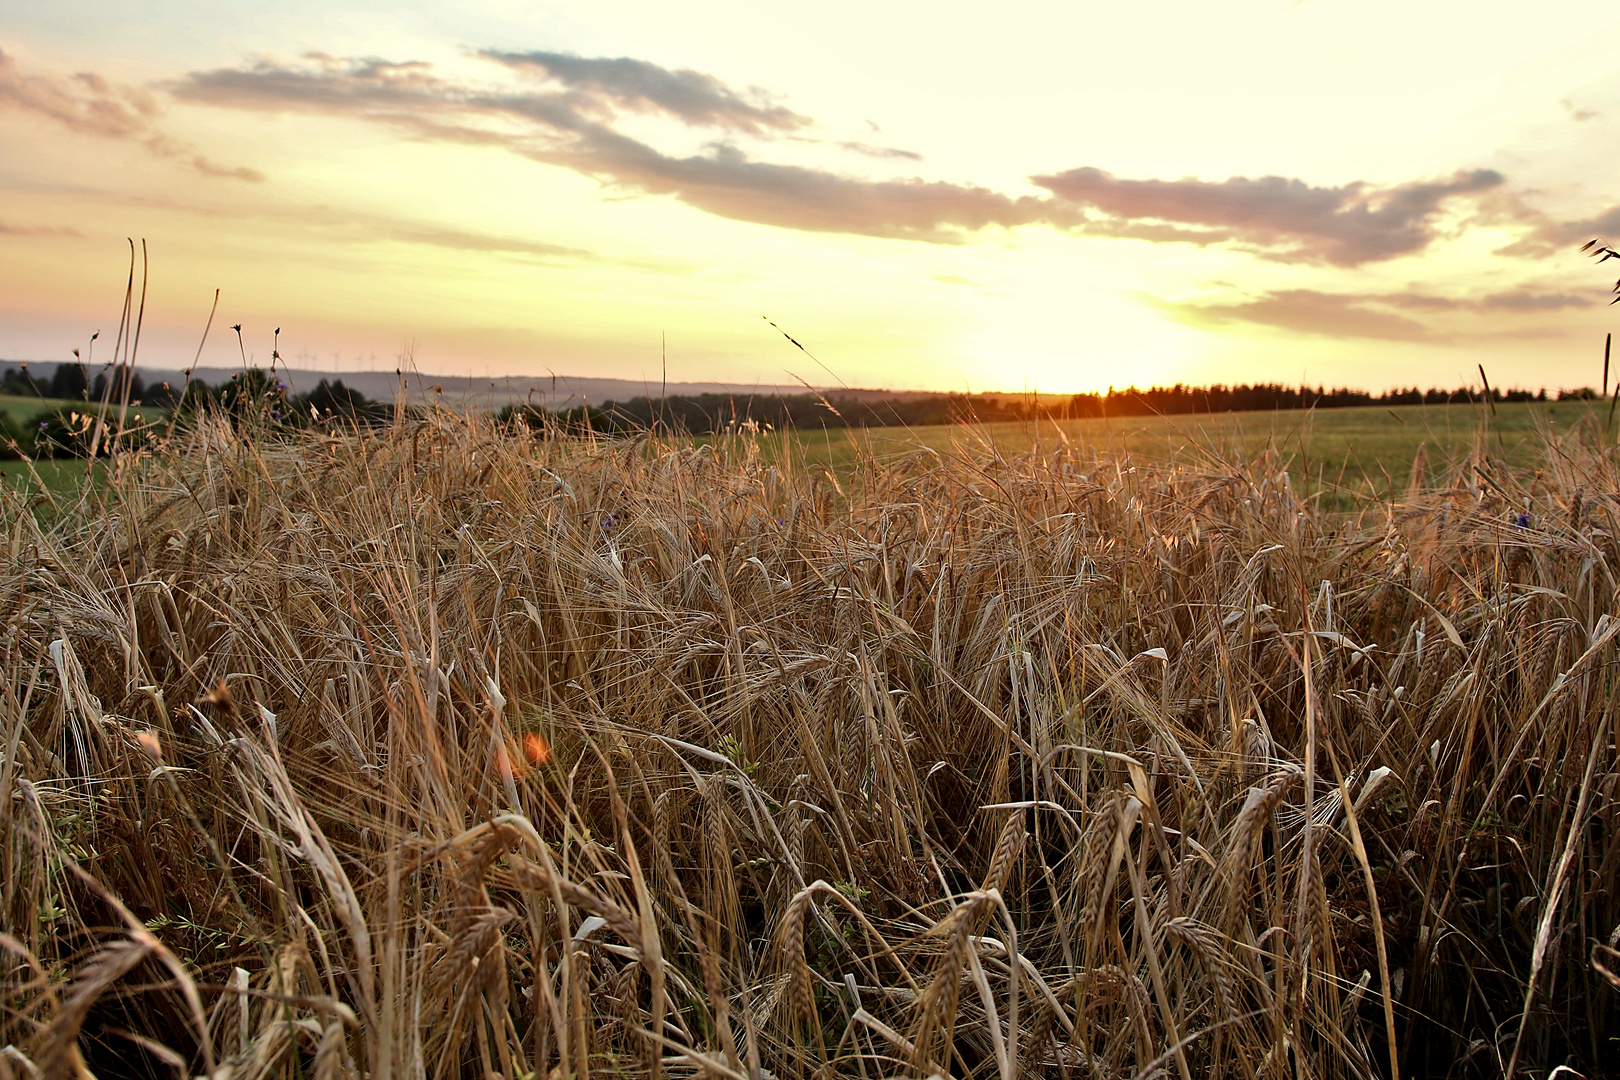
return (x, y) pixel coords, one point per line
(87, 104)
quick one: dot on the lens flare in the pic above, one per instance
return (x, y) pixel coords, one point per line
(149, 743)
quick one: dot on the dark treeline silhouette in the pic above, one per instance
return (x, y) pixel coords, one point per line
(258, 393)
(251, 395)
(1181, 399)
(71, 382)
(708, 414)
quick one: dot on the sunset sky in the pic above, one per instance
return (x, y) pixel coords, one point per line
(1008, 196)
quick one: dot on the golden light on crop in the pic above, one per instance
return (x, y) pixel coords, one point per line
(1044, 225)
(379, 809)
(514, 759)
(150, 745)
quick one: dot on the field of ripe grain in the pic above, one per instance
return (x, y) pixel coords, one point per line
(441, 752)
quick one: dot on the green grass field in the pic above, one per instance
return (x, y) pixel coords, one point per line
(53, 475)
(22, 409)
(1371, 449)
(56, 475)
(1365, 451)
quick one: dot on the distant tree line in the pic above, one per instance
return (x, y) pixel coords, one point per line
(73, 383)
(252, 395)
(256, 396)
(708, 414)
(1266, 397)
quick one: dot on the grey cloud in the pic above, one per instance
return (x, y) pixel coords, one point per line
(1304, 311)
(1604, 223)
(564, 127)
(88, 104)
(237, 172)
(1278, 218)
(729, 184)
(1578, 114)
(7, 229)
(565, 115)
(1548, 237)
(354, 227)
(864, 149)
(349, 227)
(1523, 300)
(1364, 315)
(368, 88)
(85, 103)
(1418, 301)
(466, 241)
(881, 151)
(1520, 300)
(691, 96)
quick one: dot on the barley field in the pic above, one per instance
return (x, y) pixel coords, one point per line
(445, 752)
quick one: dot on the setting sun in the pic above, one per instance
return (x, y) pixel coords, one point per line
(1061, 197)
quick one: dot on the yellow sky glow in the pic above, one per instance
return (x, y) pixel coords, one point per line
(1029, 196)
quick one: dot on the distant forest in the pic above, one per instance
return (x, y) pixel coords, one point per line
(70, 401)
(71, 382)
(706, 414)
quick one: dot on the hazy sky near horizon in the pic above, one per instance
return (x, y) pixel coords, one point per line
(1013, 196)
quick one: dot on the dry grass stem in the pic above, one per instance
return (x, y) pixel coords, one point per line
(447, 751)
